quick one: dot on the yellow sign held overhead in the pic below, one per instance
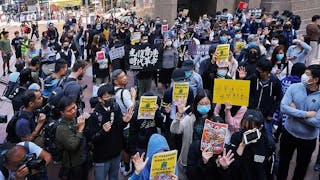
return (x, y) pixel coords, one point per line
(180, 92)
(222, 53)
(240, 46)
(235, 91)
(147, 107)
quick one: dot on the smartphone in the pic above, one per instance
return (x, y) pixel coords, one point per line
(250, 136)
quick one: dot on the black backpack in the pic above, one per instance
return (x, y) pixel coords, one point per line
(49, 140)
(16, 97)
(11, 89)
(11, 127)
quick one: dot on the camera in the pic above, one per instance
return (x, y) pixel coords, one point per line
(32, 162)
(3, 118)
(251, 136)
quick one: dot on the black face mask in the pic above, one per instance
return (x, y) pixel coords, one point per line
(253, 56)
(287, 27)
(66, 48)
(108, 102)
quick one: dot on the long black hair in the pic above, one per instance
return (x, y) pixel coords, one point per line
(200, 95)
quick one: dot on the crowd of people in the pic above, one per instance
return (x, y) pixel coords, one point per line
(46, 92)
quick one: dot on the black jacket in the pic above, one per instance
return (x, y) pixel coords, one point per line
(271, 95)
(106, 145)
(247, 166)
(196, 169)
(141, 130)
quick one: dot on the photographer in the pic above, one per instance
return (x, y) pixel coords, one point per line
(27, 160)
(252, 148)
(26, 125)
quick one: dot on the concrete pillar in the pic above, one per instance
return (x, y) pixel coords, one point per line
(166, 9)
(230, 5)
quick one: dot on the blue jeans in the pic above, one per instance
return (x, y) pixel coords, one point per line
(268, 126)
(109, 168)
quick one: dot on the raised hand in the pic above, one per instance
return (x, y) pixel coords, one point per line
(168, 108)
(226, 159)
(206, 155)
(107, 126)
(127, 117)
(138, 162)
(228, 105)
(242, 72)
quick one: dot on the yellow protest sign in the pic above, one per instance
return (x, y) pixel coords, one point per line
(222, 53)
(240, 46)
(163, 165)
(235, 91)
(180, 92)
(135, 37)
(147, 107)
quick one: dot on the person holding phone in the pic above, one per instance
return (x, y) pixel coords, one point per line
(252, 148)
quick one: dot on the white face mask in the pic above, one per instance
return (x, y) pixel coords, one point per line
(305, 79)
(168, 43)
(274, 42)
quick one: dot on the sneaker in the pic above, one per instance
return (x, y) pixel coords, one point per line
(122, 167)
(316, 167)
(9, 72)
(4, 74)
(128, 170)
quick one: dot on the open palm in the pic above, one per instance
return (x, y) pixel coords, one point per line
(138, 162)
(226, 159)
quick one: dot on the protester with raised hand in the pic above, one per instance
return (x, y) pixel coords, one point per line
(252, 154)
(157, 144)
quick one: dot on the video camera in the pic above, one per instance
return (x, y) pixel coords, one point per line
(32, 163)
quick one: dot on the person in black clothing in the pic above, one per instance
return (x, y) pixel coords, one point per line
(67, 54)
(16, 43)
(104, 130)
(141, 129)
(35, 30)
(251, 57)
(169, 109)
(52, 32)
(253, 160)
(203, 165)
(144, 77)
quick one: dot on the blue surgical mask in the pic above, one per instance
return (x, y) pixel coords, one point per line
(222, 73)
(238, 36)
(203, 109)
(261, 37)
(279, 57)
(253, 43)
(223, 39)
(188, 74)
(236, 28)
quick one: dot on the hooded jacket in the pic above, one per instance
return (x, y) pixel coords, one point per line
(265, 97)
(156, 143)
